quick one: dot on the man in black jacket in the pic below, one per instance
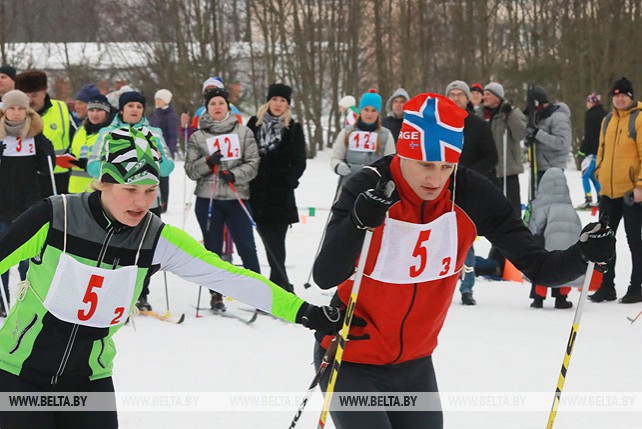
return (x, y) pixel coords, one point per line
(479, 154)
(588, 150)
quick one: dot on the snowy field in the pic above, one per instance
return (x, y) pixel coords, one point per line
(500, 352)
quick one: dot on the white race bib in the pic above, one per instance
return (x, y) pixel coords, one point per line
(90, 296)
(417, 253)
(362, 141)
(17, 146)
(351, 118)
(228, 144)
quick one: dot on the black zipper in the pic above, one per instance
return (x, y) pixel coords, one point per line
(74, 330)
(412, 301)
(23, 333)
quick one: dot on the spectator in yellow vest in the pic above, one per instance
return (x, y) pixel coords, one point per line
(57, 122)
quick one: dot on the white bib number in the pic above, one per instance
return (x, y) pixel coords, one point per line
(90, 296)
(417, 253)
(16, 146)
(363, 141)
(228, 144)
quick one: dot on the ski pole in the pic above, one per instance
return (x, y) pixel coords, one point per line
(198, 301)
(343, 335)
(633, 319)
(238, 197)
(327, 221)
(167, 314)
(505, 161)
(209, 209)
(51, 174)
(569, 345)
(325, 362)
(267, 248)
(185, 205)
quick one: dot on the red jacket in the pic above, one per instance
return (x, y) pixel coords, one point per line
(404, 320)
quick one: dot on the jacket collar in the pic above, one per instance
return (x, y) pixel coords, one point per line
(101, 217)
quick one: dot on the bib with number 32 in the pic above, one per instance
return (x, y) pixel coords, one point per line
(228, 144)
(362, 141)
(17, 146)
(417, 253)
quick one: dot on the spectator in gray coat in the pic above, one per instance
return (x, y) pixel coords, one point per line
(222, 157)
(509, 126)
(555, 221)
(552, 134)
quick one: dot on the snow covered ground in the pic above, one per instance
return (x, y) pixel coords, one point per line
(500, 353)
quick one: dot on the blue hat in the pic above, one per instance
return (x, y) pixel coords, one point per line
(371, 99)
(87, 92)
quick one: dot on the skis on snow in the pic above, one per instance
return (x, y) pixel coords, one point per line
(231, 315)
(164, 318)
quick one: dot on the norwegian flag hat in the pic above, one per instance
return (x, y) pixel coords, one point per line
(432, 129)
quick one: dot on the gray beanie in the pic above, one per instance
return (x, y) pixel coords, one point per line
(460, 85)
(496, 89)
(15, 98)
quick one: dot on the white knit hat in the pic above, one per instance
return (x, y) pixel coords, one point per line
(348, 101)
(15, 98)
(164, 94)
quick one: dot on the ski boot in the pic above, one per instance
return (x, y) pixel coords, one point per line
(538, 302)
(587, 205)
(143, 305)
(604, 293)
(633, 295)
(467, 299)
(216, 302)
(562, 302)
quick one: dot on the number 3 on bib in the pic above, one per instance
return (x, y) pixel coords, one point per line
(421, 252)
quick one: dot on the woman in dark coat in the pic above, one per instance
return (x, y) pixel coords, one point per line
(282, 148)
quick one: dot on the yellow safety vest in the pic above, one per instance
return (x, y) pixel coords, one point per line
(81, 148)
(56, 128)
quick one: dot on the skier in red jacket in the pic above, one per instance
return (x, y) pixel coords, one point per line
(421, 234)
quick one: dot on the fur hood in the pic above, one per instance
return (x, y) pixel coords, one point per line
(33, 125)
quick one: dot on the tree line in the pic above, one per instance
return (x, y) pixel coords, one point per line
(328, 48)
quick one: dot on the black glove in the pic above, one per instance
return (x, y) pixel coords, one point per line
(531, 132)
(597, 242)
(214, 159)
(227, 176)
(3, 146)
(506, 108)
(327, 320)
(80, 162)
(370, 207)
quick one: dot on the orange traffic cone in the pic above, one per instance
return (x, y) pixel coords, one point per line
(511, 273)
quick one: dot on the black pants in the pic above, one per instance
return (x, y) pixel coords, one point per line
(512, 192)
(412, 376)
(62, 184)
(57, 419)
(273, 237)
(513, 196)
(616, 209)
